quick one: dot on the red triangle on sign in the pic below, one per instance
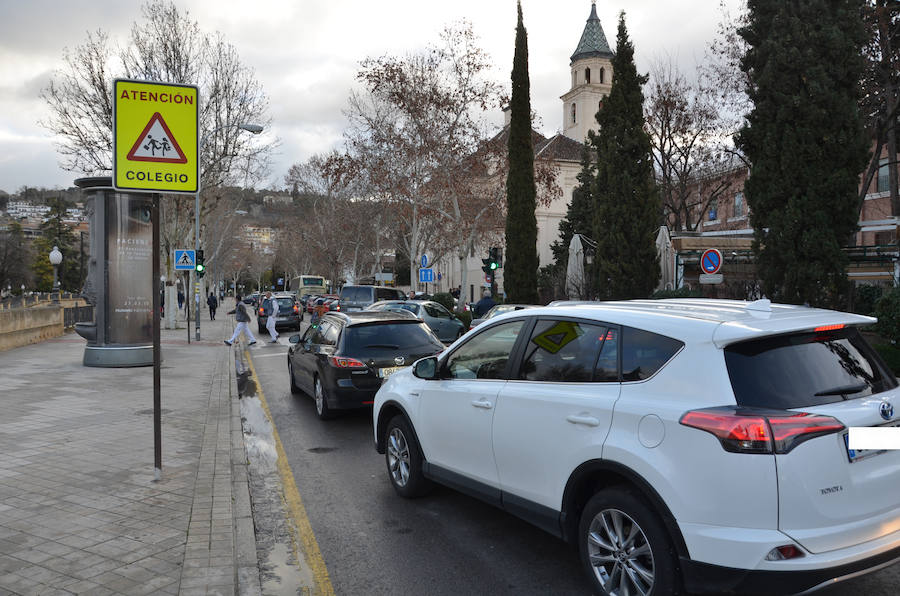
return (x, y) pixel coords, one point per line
(156, 143)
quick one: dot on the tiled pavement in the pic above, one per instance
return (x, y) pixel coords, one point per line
(80, 512)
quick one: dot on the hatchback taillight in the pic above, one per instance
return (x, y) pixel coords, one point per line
(344, 362)
(296, 308)
(262, 311)
(741, 430)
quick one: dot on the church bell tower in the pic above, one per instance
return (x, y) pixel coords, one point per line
(591, 67)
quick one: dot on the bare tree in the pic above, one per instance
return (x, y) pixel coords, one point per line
(420, 134)
(692, 149)
(167, 46)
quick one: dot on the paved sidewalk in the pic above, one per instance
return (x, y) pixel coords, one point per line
(80, 511)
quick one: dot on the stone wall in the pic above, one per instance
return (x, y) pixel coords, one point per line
(23, 326)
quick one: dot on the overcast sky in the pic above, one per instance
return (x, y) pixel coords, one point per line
(306, 53)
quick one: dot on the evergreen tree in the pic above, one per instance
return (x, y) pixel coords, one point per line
(804, 138)
(520, 258)
(627, 210)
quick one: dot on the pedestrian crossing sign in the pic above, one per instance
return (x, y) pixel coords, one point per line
(155, 137)
(184, 260)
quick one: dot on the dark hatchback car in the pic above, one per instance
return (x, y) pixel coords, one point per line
(343, 359)
(290, 314)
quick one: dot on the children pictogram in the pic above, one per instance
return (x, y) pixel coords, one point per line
(156, 143)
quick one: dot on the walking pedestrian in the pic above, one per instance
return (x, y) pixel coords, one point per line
(213, 305)
(270, 320)
(180, 299)
(242, 318)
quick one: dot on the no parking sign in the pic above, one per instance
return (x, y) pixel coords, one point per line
(711, 261)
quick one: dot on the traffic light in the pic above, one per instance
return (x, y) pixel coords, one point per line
(201, 268)
(494, 258)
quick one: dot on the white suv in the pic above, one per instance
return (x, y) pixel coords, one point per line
(681, 444)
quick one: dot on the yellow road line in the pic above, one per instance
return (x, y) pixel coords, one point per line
(294, 503)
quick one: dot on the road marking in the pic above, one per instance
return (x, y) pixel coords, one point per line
(294, 503)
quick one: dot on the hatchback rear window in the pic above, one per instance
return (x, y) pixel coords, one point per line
(285, 304)
(805, 369)
(412, 336)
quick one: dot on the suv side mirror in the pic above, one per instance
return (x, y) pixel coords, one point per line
(426, 368)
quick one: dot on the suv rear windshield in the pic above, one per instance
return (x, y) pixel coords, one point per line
(356, 294)
(413, 336)
(805, 369)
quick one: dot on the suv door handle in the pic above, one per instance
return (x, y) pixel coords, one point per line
(586, 420)
(483, 403)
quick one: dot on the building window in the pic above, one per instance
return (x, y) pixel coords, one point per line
(573, 113)
(713, 210)
(738, 204)
(587, 75)
(602, 72)
(884, 176)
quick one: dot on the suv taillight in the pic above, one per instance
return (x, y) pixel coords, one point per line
(343, 362)
(742, 430)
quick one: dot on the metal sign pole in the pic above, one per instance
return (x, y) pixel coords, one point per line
(187, 304)
(157, 418)
(197, 252)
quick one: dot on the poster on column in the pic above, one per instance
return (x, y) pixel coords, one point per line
(129, 262)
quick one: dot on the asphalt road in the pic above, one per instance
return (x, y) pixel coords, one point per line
(374, 542)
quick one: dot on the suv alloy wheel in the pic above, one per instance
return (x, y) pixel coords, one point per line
(404, 459)
(624, 546)
(322, 409)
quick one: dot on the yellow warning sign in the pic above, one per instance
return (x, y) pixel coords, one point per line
(155, 137)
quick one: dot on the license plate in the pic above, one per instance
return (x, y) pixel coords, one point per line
(855, 455)
(386, 372)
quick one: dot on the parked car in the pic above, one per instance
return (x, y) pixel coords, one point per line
(695, 443)
(289, 313)
(251, 299)
(310, 302)
(499, 310)
(445, 324)
(359, 297)
(343, 360)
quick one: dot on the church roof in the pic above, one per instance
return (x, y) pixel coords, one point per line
(559, 147)
(593, 41)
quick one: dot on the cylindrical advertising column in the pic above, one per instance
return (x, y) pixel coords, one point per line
(120, 280)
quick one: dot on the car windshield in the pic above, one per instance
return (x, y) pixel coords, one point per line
(406, 337)
(805, 369)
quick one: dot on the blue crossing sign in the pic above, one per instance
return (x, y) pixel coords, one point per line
(184, 260)
(426, 276)
(711, 261)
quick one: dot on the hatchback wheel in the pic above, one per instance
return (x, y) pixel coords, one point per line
(322, 409)
(624, 546)
(294, 388)
(404, 459)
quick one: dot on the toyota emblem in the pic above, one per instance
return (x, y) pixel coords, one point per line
(399, 360)
(887, 410)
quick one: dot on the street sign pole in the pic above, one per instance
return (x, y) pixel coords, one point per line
(157, 410)
(197, 252)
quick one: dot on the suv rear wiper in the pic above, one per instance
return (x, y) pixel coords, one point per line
(843, 390)
(388, 346)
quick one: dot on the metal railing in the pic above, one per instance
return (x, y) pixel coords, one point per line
(77, 314)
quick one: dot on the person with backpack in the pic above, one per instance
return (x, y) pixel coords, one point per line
(242, 318)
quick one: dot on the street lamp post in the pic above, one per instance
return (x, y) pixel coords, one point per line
(252, 128)
(55, 260)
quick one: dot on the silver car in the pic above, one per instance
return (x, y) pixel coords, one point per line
(445, 324)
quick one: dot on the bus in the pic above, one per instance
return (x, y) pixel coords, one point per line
(307, 284)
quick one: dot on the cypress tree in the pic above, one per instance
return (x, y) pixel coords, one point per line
(520, 259)
(804, 138)
(627, 211)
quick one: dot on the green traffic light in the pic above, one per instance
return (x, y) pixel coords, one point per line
(493, 265)
(200, 267)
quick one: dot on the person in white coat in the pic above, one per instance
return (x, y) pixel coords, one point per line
(270, 321)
